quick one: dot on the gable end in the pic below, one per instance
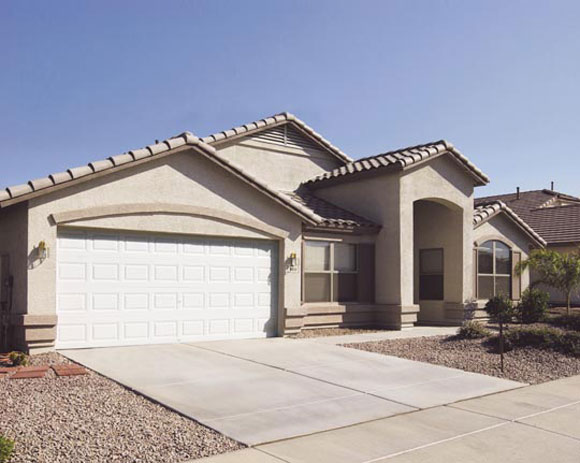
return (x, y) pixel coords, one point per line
(287, 136)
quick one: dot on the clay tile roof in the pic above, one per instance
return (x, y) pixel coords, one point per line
(486, 210)
(543, 211)
(277, 119)
(402, 158)
(13, 194)
(332, 216)
(74, 173)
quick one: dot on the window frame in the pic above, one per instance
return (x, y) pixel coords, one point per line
(442, 273)
(494, 273)
(331, 272)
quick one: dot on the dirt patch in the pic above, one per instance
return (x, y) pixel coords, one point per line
(528, 365)
(91, 418)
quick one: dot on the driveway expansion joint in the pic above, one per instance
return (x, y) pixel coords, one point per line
(286, 370)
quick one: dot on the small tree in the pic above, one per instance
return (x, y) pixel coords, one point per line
(558, 270)
(501, 311)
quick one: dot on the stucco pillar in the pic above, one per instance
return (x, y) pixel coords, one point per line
(458, 304)
(395, 267)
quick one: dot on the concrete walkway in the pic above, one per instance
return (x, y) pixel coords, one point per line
(536, 424)
(259, 391)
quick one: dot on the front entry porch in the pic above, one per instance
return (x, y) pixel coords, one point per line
(442, 267)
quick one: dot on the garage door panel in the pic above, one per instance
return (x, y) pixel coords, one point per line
(122, 289)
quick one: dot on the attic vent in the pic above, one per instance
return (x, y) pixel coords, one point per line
(286, 135)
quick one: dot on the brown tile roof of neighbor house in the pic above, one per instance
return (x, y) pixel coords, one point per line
(486, 210)
(269, 122)
(333, 216)
(553, 215)
(44, 185)
(401, 159)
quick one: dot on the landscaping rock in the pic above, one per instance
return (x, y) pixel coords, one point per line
(527, 365)
(90, 418)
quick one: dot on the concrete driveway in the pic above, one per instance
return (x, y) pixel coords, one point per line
(259, 391)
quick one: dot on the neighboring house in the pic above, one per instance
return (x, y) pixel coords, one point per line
(261, 230)
(554, 216)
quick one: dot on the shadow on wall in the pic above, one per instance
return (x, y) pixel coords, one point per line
(38, 255)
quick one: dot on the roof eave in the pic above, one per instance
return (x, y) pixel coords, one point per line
(478, 176)
(189, 141)
(519, 222)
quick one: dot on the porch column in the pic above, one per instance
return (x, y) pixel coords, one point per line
(460, 302)
(394, 268)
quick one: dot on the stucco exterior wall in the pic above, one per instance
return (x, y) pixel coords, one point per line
(388, 199)
(184, 178)
(13, 243)
(503, 229)
(439, 226)
(376, 199)
(283, 168)
(441, 180)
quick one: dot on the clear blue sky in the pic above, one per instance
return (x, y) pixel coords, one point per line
(500, 79)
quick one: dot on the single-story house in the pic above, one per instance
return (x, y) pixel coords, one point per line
(261, 230)
(554, 216)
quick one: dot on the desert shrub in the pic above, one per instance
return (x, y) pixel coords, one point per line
(533, 306)
(18, 358)
(569, 322)
(500, 309)
(6, 448)
(546, 338)
(472, 330)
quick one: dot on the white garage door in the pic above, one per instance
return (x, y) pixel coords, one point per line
(121, 289)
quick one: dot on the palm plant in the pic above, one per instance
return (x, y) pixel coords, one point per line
(558, 270)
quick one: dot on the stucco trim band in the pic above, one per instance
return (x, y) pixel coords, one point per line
(62, 218)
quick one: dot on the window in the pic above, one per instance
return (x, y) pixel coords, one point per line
(431, 274)
(330, 272)
(494, 264)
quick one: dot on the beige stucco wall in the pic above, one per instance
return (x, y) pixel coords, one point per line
(441, 180)
(388, 199)
(283, 168)
(503, 229)
(439, 226)
(376, 199)
(186, 179)
(13, 242)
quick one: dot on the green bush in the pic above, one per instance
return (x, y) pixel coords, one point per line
(569, 322)
(533, 306)
(500, 309)
(472, 330)
(18, 358)
(546, 338)
(6, 448)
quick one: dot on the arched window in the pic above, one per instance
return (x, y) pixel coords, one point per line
(494, 269)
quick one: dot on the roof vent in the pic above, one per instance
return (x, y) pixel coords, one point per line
(518, 192)
(552, 185)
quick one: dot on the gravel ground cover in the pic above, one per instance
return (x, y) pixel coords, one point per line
(527, 365)
(93, 419)
(321, 332)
